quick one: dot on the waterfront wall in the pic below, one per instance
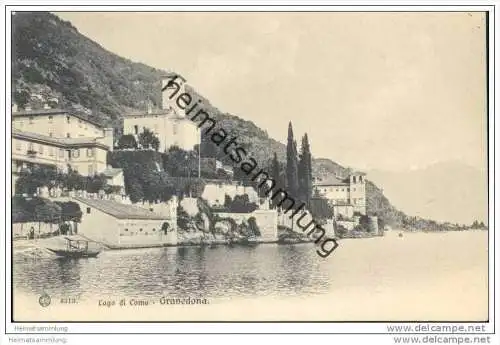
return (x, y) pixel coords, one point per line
(215, 194)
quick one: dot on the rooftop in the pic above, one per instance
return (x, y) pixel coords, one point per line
(111, 172)
(332, 181)
(56, 141)
(43, 112)
(120, 211)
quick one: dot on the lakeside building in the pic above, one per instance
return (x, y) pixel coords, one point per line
(58, 139)
(169, 124)
(347, 195)
(120, 225)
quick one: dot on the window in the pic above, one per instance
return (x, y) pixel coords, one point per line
(51, 151)
(31, 120)
(361, 179)
(91, 170)
(21, 123)
(154, 229)
(79, 123)
(76, 153)
(88, 210)
(140, 229)
(136, 129)
(174, 128)
(126, 230)
(90, 152)
(337, 190)
(51, 134)
(68, 135)
(342, 189)
(61, 153)
(31, 147)
(354, 179)
(347, 189)
(51, 118)
(354, 189)
(40, 149)
(18, 145)
(67, 119)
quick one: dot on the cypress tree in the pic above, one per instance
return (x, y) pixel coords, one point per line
(305, 171)
(292, 178)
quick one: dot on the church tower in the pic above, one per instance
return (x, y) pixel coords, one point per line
(357, 191)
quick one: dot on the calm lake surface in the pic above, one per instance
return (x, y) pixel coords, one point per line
(427, 267)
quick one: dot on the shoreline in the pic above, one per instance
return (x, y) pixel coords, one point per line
(23, 245)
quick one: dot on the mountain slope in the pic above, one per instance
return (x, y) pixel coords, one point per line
(53, 62)
(447, 191)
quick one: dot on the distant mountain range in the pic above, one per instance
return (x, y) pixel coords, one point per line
(51, 60)
(447, 191)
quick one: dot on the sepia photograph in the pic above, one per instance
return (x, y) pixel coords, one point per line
(249, 166)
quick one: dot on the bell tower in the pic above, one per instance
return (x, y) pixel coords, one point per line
(357, 191)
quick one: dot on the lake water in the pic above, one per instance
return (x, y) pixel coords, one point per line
(420, 275)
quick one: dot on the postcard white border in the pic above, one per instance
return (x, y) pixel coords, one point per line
(334, 327)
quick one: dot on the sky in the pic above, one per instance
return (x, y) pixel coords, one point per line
(387, 91)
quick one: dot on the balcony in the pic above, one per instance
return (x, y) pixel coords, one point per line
(31, 153)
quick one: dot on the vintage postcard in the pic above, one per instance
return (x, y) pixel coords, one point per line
(224, 166)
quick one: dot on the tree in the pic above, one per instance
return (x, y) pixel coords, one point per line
(96, 183)
(127, 141)
(147, 139)
(179, 162)
(48, 212)
(70, 211)
(74, 181)
(134, 190)
(321, 208)
(242, 204)
(305, 171)
(278, 175)
(227, 202)
(292, 183)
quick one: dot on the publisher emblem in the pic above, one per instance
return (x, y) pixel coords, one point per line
(44, 300)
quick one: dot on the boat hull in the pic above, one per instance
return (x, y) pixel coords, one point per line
(74, 254)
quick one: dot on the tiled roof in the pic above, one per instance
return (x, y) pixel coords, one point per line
(331, 181)
(120, 211)
(16, 133)
(41, 112)
(112, 171)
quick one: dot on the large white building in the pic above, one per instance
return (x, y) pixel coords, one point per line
(169, 123)
(344, 193)
(59, 139)
(126, 226)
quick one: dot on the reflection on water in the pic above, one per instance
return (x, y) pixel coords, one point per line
(185, 271)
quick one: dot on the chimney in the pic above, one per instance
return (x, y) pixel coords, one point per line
(172, 85)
